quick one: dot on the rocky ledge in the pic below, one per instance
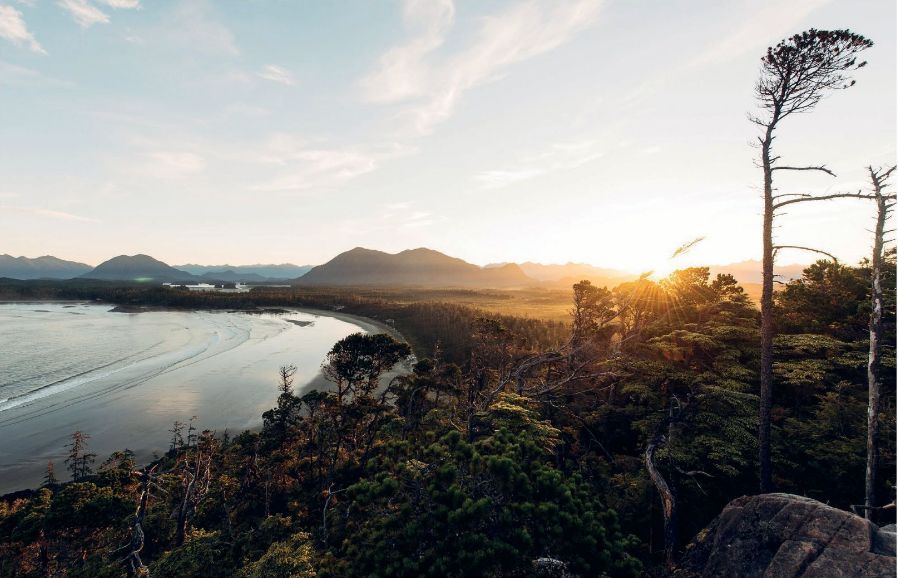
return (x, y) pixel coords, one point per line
(787, 536)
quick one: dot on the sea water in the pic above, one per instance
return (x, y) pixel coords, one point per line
(124, 378)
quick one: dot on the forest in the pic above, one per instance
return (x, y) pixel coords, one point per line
(597, 446)
(523, 454)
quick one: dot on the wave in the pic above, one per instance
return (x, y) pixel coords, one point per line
(75, 380)
(224, 332)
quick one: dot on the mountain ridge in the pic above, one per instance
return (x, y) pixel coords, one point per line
(43, 267)
(140, 267)
(360, 266)
(412, 267)
(266, 271)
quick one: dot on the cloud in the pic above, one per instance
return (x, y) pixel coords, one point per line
(174, 164)
(432, 90)
(173, 156)
(401, 72)
(86, 13)
(190, 25)
(275, 73)
(417, 219)
(193, 26)
(308, 166)
(558, 157)
(758, 28)
(121, 3)
(14, 29)
(13, 75)
(48, 213)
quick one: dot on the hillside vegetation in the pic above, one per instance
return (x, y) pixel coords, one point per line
(516, 447)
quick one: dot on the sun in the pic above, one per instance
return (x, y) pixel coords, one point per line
(657, 269)
(662, 269)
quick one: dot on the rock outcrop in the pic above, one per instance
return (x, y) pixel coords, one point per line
(786, 536)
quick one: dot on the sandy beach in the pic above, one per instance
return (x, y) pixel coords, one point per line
(124, 378)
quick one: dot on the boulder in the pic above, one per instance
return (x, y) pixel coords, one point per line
(786, 536)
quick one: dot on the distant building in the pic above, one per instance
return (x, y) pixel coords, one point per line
(235, 288)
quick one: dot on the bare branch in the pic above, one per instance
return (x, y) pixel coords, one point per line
(692, 473)
(856, 507)
(823, 198)
(830, 255)
(821, 168)
(791, 195)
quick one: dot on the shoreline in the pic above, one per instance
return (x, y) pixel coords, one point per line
(315, 381)
(367, 324)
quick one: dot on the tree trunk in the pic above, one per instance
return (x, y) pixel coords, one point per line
(668, 497)
(765, 394)
(873, 362)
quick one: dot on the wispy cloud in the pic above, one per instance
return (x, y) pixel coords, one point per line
(402, 73)
(307, 165)
(400, 217)
(174, 164)
(558, 157)
(277, 74)
(191, 26)
(169, 157)
(432, 90)
(759, 26)
(121, 3)
(404, 215)
(14, 29)
(194, 25)
(13, 74)
(48, 213)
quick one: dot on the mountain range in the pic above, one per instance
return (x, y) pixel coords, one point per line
(45, 267)
(137, 268)
(357, 267)
(570, 273)
(420, 267)
(283, 271)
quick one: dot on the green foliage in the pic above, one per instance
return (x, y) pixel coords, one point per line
(291, 558)
(513, 441)
(204, 554)
(487, 508)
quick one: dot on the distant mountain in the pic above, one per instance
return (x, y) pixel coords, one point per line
(281, 272)
(745, 272)
(45, 267)
(421, 267)
(570, 273)
(232, 277)
(750, 271)
(137, 268)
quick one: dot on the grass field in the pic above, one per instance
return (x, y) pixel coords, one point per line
(537, 303)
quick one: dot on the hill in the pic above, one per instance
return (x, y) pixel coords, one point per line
(231, 276)
(565, 275)
(137, 268)
(281, 272)
(413, 267)
(46, 267)
(747, 272)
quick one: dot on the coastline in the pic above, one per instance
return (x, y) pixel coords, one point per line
(367, 324)
(230, 393)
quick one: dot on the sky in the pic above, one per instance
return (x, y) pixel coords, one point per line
(601, 131)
